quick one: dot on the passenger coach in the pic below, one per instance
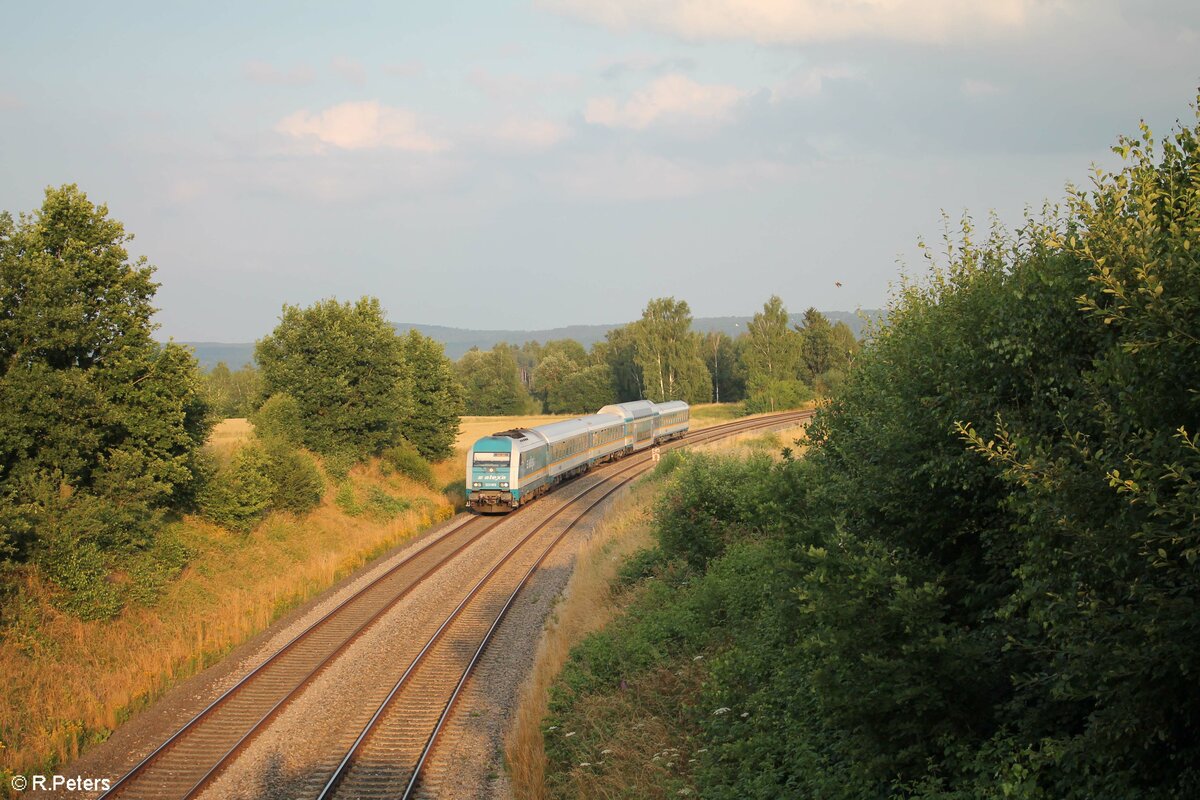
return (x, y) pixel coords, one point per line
(512, 467)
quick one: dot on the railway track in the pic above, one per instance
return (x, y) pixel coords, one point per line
(191, 758)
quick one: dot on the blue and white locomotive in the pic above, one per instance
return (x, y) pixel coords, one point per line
(510, 468)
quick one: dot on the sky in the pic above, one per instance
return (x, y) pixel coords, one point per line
(534, 164)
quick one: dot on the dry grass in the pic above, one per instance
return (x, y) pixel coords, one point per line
(229, 434)
(751, 442)
(587, 605)
(68, 683)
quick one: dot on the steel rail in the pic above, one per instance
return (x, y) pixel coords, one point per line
(340, 772)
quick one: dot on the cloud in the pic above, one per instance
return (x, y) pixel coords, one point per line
(405, 69)
(528, 134)
(809, 82)
(268, 75)
(359, 126)
(972, 87)
(797, 21)
(669, 99)
(506, 87)
(612, 69)
(350, 70)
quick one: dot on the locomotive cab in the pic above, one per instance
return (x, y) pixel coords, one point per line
(491, 475)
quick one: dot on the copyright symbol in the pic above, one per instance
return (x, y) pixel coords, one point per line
(19, 782)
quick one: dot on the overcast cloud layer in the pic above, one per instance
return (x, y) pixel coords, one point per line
(533, 165)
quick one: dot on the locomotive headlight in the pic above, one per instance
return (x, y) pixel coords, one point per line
(503, 484)
(476, 485)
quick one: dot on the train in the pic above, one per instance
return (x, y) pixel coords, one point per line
(513, 467)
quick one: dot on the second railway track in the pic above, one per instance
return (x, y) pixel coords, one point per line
(190, 759)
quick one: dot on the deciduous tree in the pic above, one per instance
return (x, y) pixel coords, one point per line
(432, 424)
(344, 366)
(98, 422)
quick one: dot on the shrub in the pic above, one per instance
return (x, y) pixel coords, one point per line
(279, 419)
(150, 570)
(298, 482)
(240, 493)
(711, 501)
(347, 501)
(779, 395)
(404, 459)
(382, 506)
(456, 492)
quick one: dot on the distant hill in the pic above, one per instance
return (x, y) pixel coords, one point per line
(459, 340)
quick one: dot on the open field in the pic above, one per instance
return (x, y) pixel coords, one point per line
(229, 433)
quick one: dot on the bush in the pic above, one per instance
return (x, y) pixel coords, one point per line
(456, 492)
(240, 493)
(382, 506)
(347, 501)
(299, 485)
(404, 459)
(279, 419)
(777, 396)
(150, 570)
(711, 501)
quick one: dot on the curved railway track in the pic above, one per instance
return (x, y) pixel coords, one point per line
(190, 759)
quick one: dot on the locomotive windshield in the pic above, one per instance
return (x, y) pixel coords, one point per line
(492, 459)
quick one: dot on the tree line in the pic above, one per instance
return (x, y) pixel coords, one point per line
(771, 366)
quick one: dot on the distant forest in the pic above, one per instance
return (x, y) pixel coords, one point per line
(776, 360)
(457, 341)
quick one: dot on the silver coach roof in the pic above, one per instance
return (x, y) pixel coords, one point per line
(637, 409)
(556, 431)
(671, 406)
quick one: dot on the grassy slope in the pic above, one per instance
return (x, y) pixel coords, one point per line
(68, 683)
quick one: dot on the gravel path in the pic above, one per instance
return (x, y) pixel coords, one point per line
(468, 763)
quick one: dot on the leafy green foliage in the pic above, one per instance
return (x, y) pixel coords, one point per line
(377, 504)
(980, 582)
(405, 459)
(298, 482)
(241, 492)
(771, 395)
(279, 420)
(619, 352)
(432, 425)
(492, 383)
(99, 424)
(711, 502)
(772, 352)
(344, 366)
(668, 353)
(232, 394)
(583, 391)
(726, 367)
